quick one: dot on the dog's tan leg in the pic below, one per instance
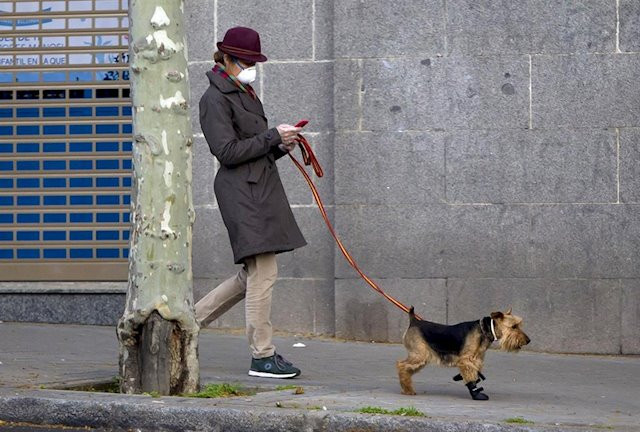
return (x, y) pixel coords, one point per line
(415, 361)
(469, 368)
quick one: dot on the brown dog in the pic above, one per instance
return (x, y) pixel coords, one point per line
(461, 345)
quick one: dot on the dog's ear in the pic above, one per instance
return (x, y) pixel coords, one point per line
(508, 312)
(497, 315)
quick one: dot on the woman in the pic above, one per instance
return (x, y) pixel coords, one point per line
(251, 198)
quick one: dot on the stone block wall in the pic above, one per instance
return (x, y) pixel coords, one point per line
(480, 154)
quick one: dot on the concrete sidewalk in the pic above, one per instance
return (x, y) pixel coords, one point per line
(553, 392)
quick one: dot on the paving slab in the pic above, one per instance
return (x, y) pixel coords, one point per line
(551, 391)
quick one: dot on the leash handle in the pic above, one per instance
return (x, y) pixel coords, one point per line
(309, 158)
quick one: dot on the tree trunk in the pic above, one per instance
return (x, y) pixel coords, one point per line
(158, 332)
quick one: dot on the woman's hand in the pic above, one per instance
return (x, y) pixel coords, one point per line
(288, 134)
(287, 147)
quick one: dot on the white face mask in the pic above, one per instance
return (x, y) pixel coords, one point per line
(248, 75)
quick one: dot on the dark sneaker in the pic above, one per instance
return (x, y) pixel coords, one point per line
(273, 367)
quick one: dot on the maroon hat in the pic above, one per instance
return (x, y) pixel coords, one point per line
(243, 43)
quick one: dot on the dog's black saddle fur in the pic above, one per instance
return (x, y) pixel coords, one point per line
(445, 339)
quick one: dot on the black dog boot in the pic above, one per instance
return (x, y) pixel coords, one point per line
(459, 377)
(476, 392)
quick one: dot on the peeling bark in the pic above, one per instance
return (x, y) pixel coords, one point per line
(158, 332)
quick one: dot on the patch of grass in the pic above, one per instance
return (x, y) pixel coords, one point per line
(285, 387)
(517, 420)
(402, 411)
(410, 411)
(220, 391)
(316, 408)
(296, 389)
(153, 394)
(373, 410)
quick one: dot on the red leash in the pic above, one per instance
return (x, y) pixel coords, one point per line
(309, 158)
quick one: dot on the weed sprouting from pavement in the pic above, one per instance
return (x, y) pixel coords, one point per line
(517, 420)
(220, 391)
(402, 411)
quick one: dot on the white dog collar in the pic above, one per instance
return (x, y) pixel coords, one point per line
(493, 331)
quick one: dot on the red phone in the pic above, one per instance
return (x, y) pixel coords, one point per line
(302, 123)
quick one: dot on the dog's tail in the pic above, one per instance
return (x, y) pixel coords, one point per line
(412, 316)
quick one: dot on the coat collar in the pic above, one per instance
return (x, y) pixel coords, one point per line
(222, 84)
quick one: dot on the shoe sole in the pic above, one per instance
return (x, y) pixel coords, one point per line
(272, 375)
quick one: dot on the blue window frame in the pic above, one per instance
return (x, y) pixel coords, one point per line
(54, 112)
(81, 235)
(54, 235)
(81, 217)
(107, 129)
(55, 182)
(28, 253)
(55, 218)
(6, 200)
(107, 164)
(81, 182)
(28, 235)
(28, 183)
(108, 217)
(81, 253)
(81, 200)
(108, 199)
(55, 165)
(80, 164)
(28, 112)
(108, 253)
(105, 182)
(28, 147)
(55, 253)
(28, 129)
(80, 111)
(80, 147)
(55, 129)
(28, 200)
(108, 146)
(62, 158)
(80, 129)
(109, 111)
(28, 218)
(55, 200)
(54, 147)
(28, 165)
(107, 235)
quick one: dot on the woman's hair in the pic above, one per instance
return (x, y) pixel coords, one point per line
(218, 57)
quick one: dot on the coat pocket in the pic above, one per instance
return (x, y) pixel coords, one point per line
(256, 169)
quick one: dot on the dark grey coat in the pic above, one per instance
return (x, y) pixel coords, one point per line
(250, 195)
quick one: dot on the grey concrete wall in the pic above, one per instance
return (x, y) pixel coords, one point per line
(480, 154)
(96, 303)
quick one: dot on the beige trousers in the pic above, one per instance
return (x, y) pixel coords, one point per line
(254, 283)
